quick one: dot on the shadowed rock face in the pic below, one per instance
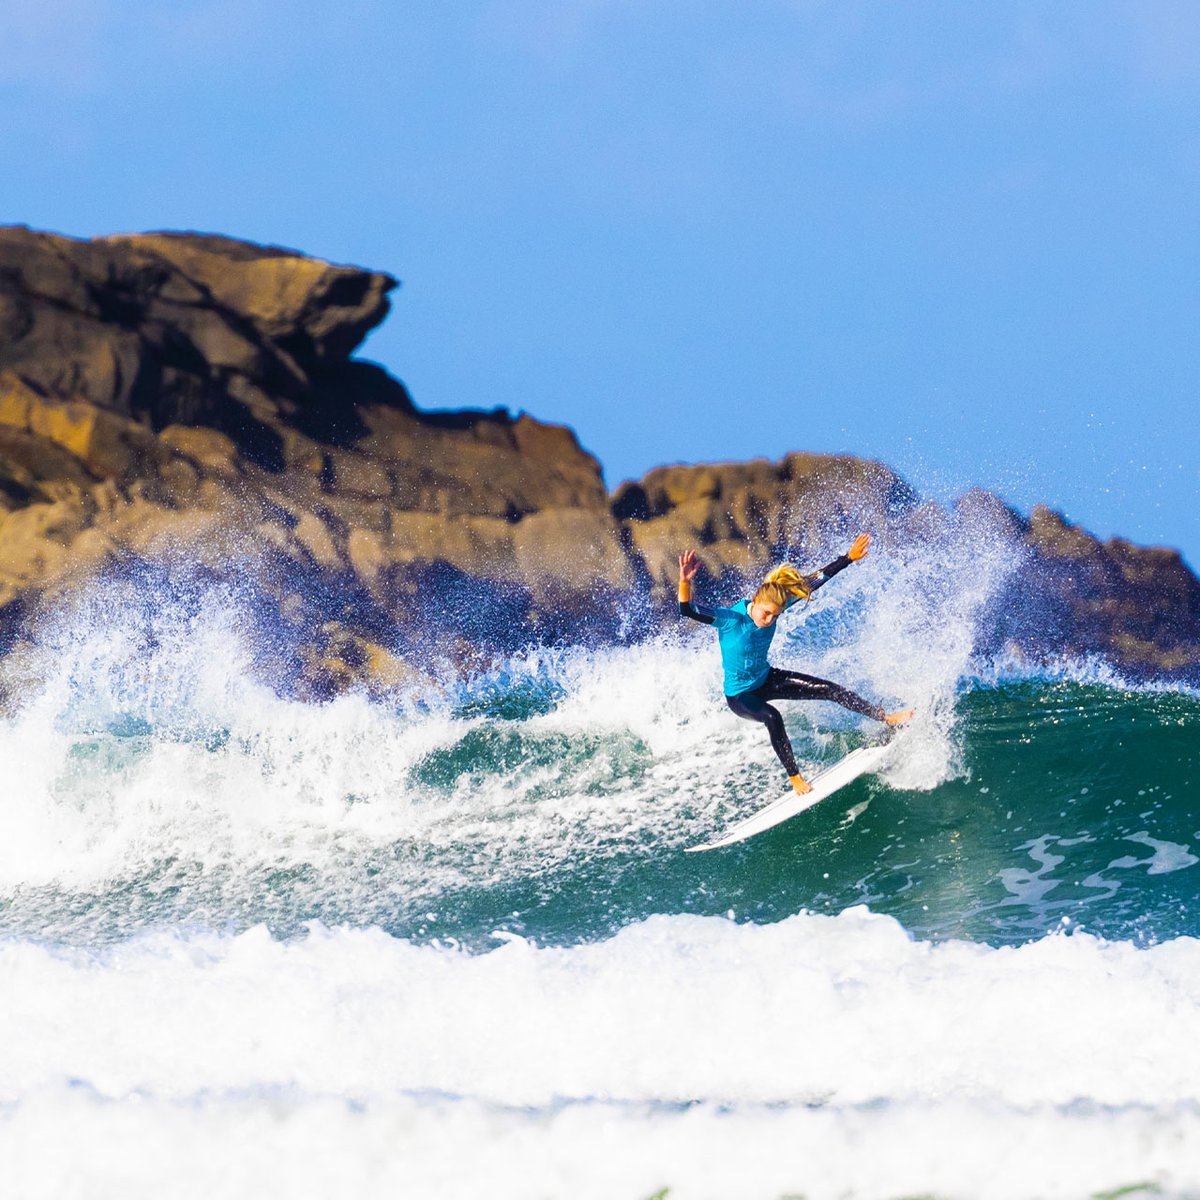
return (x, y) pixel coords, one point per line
(193, 400)
(742, 516)
(165, 329)
(1137, 606)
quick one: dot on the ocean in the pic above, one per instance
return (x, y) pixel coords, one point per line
(446, 942)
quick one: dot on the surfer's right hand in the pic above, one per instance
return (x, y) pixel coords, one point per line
(799, 785)
(689, 564)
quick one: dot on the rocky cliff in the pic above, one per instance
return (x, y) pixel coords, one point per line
(186, 404)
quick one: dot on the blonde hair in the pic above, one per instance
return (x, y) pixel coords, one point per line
(782, 584)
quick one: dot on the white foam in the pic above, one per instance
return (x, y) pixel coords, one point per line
(672, 1009)
(1166, 857)
(687, 1052)
(228, 773)
(64, 1142)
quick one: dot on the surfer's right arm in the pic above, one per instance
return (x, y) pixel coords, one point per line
(689, 564)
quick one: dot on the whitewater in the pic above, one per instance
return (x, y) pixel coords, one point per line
(445, 942)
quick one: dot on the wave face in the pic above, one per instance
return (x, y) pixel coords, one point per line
(379, 932)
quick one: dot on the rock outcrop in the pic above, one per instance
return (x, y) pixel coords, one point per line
(192, 404)
(1137, 607)
(196, 396)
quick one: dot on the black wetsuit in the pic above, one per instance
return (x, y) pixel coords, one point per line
(752, 703)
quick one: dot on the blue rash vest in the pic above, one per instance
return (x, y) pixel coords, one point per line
(744, 645)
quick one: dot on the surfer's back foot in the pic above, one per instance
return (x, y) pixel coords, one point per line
(899, 716)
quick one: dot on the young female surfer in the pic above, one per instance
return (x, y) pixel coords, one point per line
(745, 632)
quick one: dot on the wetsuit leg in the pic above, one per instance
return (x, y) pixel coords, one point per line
(753, 707)
(792, 685)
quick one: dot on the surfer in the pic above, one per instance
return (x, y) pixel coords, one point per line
(745, 632)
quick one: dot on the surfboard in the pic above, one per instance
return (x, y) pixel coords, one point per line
(834, 778)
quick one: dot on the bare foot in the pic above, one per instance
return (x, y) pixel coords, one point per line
(899, 716)
(799, 785)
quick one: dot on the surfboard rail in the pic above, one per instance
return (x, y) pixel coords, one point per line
(835, 777)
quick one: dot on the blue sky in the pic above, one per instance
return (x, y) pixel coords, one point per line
(959, 237)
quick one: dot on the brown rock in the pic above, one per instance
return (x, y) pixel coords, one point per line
(742, 517)
(211, 451)
(350, 474)
(152, 327)
(338, 660)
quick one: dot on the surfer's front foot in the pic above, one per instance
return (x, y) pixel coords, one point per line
(899, 716)
(799, 785)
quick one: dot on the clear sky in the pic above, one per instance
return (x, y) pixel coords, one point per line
(960, 237)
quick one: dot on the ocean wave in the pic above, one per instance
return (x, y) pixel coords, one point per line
(721, 1058)
(163, 783)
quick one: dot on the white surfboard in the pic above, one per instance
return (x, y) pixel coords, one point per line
(845, 770)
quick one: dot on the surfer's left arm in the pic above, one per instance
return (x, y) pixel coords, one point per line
(859, 550)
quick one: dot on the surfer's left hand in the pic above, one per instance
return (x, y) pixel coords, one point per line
(862, 544)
